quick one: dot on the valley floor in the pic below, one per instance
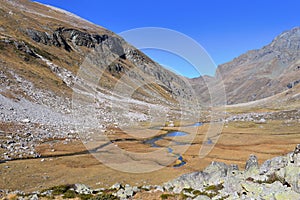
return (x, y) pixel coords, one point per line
(71, 163)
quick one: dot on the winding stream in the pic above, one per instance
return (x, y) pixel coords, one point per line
(152, 142)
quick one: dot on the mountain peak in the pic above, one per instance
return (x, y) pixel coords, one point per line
(289, 33)
(287, 40)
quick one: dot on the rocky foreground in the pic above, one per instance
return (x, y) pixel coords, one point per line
(277, 178)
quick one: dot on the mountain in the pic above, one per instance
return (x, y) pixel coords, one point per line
(48, 49)
(259, 73)
(59, 72)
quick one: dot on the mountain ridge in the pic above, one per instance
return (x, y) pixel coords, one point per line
(260, 73)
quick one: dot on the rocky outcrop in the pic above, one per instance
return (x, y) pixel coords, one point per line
(293, 84)
(277, 178)
(61, 37)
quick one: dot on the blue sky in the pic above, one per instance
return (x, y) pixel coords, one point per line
(225, 28)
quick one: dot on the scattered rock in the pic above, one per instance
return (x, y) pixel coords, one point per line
(126, 192)
(34, 197)
(82, 189)
(25, 121)
(262, 121)
(159, 188)
(116, 186)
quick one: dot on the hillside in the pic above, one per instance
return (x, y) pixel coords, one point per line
(259, 73)
(59, 71)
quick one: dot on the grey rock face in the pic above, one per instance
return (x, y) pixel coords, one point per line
(24, 47)
(61, 35)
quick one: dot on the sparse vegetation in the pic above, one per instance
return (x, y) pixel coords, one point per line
(214, 188)
(166, 196)
(104, 196)
(209, 191)
(85, 196)
(69, 194)
(189, 190)
(61, 189)
(273, 178)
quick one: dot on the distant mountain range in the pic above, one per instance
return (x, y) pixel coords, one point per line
(258, 73)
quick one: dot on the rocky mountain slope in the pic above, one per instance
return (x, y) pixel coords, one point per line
(259, 73)
(59, 71)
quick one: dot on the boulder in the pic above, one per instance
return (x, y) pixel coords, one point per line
(116, 186)
(193, 180)
(251, 163)
(216, 172)
(273, 165)
(25, 120)
(82, 189)
(295, 156)
(291, 175)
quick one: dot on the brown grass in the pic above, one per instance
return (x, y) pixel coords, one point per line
(235, 145)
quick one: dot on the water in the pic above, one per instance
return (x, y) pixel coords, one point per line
(197, 124)
(176, 134)
(161, 127)
(170, 150)
(152, 143)
(209, 141)
(182, 162)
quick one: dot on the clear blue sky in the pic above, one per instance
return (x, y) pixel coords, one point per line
(225, 28)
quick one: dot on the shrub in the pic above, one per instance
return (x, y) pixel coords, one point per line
(85, 196)
(69, 194)
(166, 196)
(104, 196)
(61, 189)
(214, 188)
